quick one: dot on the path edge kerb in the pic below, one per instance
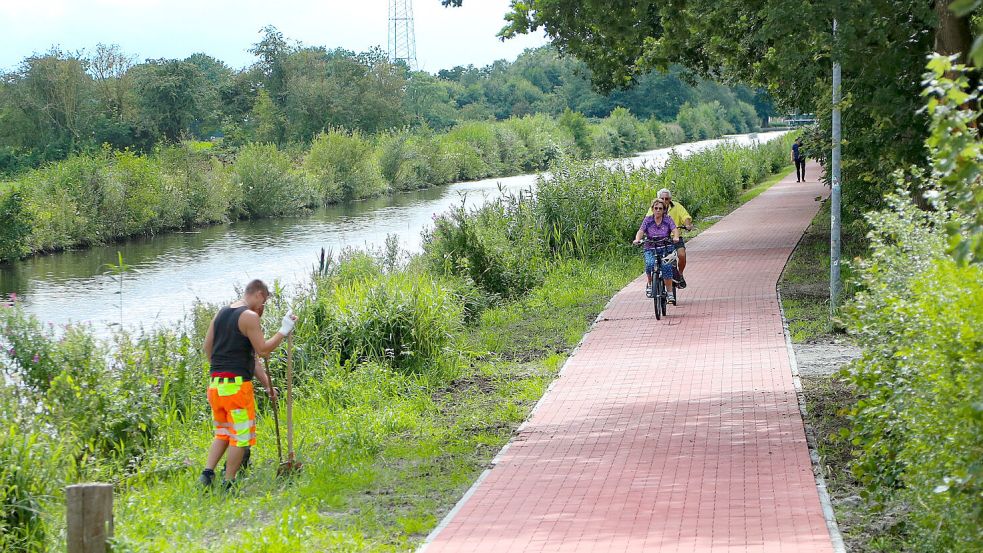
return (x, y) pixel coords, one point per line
(444, 522)
(829, 514)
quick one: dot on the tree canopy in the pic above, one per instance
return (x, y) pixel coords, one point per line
(784, 46)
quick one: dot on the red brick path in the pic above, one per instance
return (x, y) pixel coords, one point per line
(675, 435)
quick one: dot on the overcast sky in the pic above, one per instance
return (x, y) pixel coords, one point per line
(225, 29)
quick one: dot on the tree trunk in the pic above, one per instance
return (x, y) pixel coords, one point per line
(953, 34)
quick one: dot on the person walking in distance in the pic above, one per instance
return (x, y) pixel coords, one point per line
(232, 344)
(799, 159)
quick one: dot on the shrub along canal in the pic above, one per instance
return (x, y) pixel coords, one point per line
(167, 273)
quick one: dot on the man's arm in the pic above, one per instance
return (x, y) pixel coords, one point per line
(209, 340)
(686, 218)
(264, 378)
(249, 326)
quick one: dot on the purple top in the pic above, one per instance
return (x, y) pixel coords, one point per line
(655, 230)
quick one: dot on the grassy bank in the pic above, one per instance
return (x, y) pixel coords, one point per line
(409, 377)
(805, 299)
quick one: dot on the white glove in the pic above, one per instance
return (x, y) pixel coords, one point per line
(289, 320)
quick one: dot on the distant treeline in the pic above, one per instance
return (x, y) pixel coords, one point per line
(57, 104)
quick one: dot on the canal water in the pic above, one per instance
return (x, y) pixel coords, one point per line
(169, 272)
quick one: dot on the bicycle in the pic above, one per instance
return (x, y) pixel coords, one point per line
(660, 297)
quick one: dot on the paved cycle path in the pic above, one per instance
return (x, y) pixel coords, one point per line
(675, 435)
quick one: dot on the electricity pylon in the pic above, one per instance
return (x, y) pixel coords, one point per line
(402, 37)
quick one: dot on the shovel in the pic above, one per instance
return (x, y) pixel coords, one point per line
(291, 465)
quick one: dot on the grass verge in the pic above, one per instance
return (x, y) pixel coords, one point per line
(805, 299)
(753, 193)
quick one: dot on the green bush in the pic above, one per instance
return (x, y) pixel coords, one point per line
(605, 142)
(666, 134)
(268, 184)
(473, 149)
(513, 154)
(62, 201)
(135, 200)
(542, 140)
(579, 129)
(16, 225)
(344, 167)
(584, 209)
(918, 425)
(495, 246)
(630, 135)
(704, 121)
(405, 320)
(414, 160)
(208, 194)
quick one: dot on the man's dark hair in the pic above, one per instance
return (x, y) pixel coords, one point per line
(257, 285)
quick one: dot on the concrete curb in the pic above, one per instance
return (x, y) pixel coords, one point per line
(829, 514)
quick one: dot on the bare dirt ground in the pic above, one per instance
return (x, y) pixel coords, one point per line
(824, 357)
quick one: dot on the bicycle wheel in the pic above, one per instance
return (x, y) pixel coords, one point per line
(657, 293)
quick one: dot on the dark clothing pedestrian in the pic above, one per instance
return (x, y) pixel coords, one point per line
(799, 158)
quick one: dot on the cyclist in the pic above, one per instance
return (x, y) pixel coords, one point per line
(682, 218)
(656, 226)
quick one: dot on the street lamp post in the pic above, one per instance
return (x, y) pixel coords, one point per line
(834, 230)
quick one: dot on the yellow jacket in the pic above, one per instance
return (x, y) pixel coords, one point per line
(677, 212)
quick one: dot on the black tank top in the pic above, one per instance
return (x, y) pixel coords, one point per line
(232, 352)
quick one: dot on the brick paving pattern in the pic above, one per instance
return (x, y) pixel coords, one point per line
(675, 435)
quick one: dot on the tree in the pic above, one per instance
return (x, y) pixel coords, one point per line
(110, 66)
(428, 100)
(784, 46)
(170, 96)
(272, 50)
(47, 104)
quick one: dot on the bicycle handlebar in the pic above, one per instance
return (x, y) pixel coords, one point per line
(658, 242)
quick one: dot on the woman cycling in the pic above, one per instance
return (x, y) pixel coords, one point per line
(658, 226)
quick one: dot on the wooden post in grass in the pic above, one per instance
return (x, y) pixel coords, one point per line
(89, 508)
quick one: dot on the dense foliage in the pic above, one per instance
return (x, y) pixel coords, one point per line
(785, 46)
(381, 342)
(57, 103)
(505, 247)
(918, 425)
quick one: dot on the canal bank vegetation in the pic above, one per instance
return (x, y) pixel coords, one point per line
(111, 195)
(411, 373)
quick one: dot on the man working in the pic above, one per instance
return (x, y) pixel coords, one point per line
(682, 219)
(233, 342)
